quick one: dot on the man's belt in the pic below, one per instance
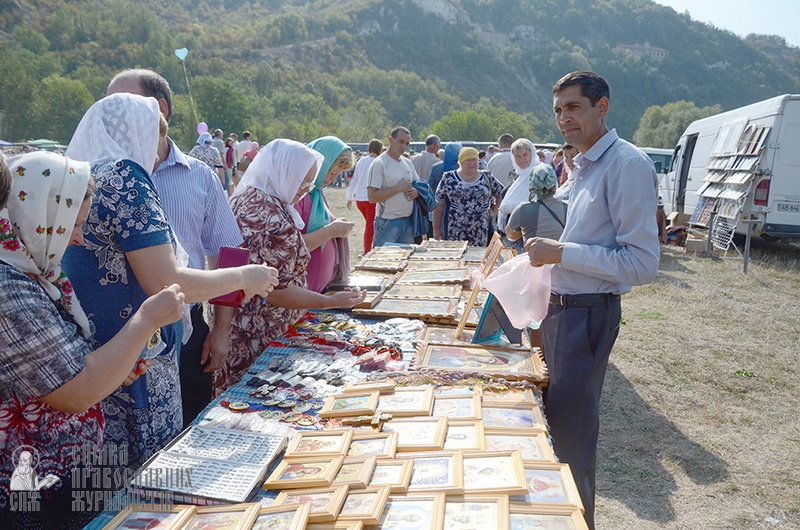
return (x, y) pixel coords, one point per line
(582, 300)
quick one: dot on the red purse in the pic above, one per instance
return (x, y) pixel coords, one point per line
(231, 257)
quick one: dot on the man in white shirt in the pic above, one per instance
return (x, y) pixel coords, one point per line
(357, 190)
(243, 146)
(424, 161)
(389, 186)
(502, 163)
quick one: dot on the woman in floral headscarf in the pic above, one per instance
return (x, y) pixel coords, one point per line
(542, 215)
(280, 176)
(51, 382)
(128, 254)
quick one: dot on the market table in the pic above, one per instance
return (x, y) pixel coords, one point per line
(481, 406)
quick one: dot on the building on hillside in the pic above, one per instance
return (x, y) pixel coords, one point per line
(645, 50)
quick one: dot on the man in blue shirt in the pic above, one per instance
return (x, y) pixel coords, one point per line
(609, 244)
(199, 213)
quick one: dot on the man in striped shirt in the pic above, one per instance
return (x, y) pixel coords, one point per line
(199, 213)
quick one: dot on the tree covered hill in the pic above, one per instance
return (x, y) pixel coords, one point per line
(467, 69)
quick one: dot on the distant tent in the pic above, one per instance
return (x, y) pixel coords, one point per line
(45, 144)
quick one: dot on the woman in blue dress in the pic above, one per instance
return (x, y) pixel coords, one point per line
(128, 254)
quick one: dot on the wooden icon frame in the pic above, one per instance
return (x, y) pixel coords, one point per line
(247, 514)
(341, 439)
(403, 476)
(426, 433)
(509, 477)
(365, 405)
(328, 468)
(378, 494)
(335, 498)
(362, 472)
(299, 511)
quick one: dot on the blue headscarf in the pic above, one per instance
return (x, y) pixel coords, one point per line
(331, 148)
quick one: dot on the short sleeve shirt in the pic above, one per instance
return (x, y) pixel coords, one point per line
(41, 349)
(386, 172)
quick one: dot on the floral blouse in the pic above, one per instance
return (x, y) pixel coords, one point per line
(272, 238)
(126, 215)
(468, 214)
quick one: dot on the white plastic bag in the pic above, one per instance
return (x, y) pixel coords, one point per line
(522, 289)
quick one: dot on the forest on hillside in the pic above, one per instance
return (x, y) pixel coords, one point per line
(464, 69)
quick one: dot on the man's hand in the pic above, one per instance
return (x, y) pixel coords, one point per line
(543, 251)
(411, 194)
(215, 350)
(404, 186)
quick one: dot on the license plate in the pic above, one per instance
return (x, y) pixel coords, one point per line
(788, 207)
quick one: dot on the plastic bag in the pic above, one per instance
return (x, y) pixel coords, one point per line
(522, 289)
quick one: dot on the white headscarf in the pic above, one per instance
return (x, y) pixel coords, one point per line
(204, 139)
(519, 190)
(279, 170)
(548, 156)
(116, 127)
(36, 226)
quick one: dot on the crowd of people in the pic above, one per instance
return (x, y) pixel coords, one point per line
(107, 253)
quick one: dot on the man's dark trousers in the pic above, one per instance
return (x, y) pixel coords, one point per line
(578, 335)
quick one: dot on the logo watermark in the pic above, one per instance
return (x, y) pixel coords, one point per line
(26, 482)
(100, 480)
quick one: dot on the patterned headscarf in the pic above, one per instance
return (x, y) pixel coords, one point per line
(204, 139)
(279, 170)
(36, 226)
(543, 182)
(119, 126)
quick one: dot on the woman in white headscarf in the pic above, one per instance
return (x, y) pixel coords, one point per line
(518, 191)
(52, 378)
(205, 152)
(263, 203)
(129, 254)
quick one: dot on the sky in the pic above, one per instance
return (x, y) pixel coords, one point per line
(769, 17)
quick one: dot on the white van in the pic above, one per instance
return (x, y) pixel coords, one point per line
(661, 160)
(743, 165)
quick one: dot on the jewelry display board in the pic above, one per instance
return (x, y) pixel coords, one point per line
(225, 465)
(211, 480)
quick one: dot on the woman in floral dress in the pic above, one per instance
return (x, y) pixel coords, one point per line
(51, 382)
(128, 254)
(263, 203)
(470, 196)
